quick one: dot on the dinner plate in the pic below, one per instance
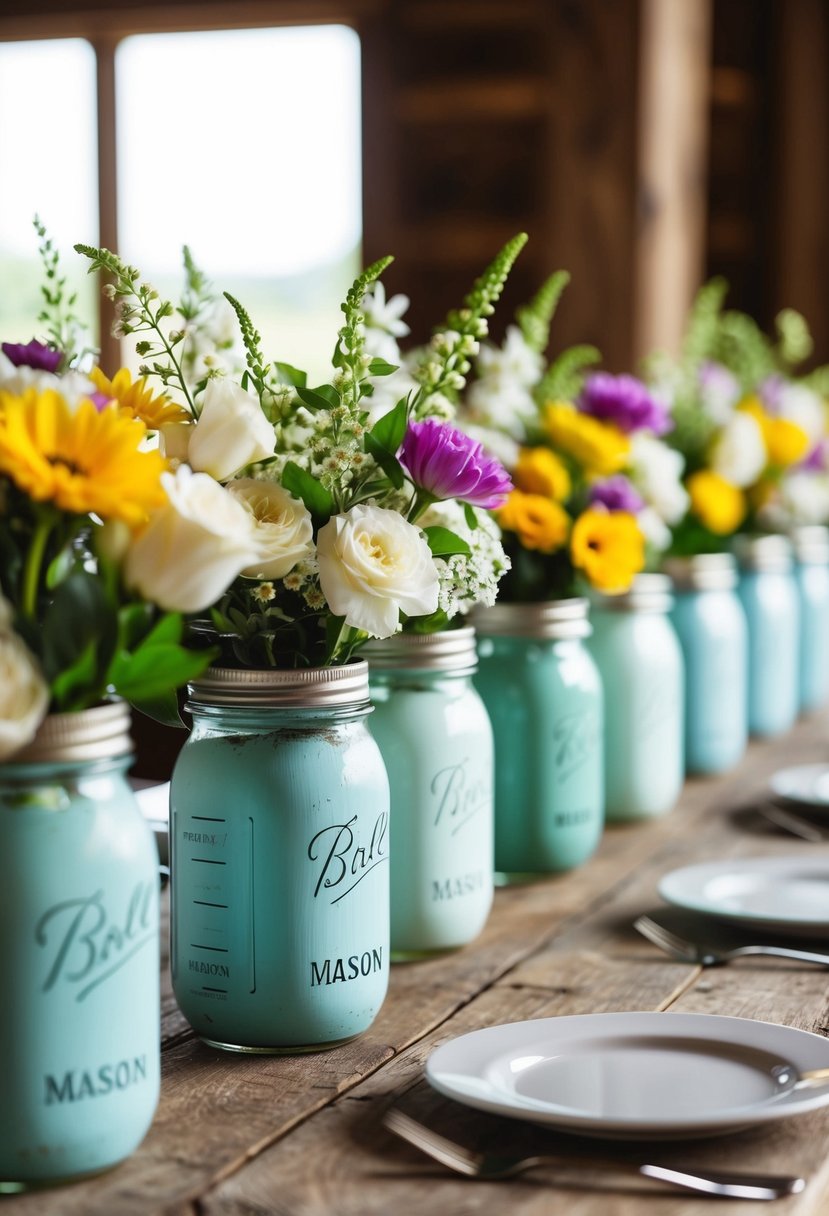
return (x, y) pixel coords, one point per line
(807, 785)
(783, 894)
(634, 1075)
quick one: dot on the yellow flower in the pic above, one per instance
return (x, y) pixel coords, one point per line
(608, 546)
(719, 505)
(82, 460)
(540, 471)
(786, 442)
(600, 447)
(136, 399)
(538, 522)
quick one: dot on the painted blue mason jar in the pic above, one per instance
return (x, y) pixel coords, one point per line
(79, 940)
(544, 698)
(769, 597)
(811, 552)
(640, 662)
(711, 626)
(436, 740)
(279, 841)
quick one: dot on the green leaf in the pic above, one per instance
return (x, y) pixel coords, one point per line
(387, 461)
(470, 517)
(77, 617)
(445, 543)
(291, 375)
(77, 678)
(152, 670)
(163, 709)
(379, 367)
(322, 398)
(301, 484)
(388, 431)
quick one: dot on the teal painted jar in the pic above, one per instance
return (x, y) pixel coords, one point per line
(639, 659)
(436, 740)
(711, 626)
(279, 860)
(811, 571)
(769, 597)
(544, 698)
(79, 940)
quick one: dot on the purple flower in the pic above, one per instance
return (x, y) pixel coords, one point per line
(772, 391)
(617, 494)
(624, 401)
(818, 459)
(32, 354)
(448, 464)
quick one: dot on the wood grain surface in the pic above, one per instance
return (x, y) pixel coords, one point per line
(302, 1135)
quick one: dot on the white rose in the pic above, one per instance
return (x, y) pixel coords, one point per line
(805, 497)
(193, 547)
(282, 527)
(174, 440)
(231, 432)
(654, 529)
(373, 564)
(738, 453)
(656, 471)
(24, 696)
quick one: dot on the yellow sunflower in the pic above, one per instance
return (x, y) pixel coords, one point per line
(608, 546)
(719, 505)
(82, 460)
(600, 447)
(541, 471)
(538, 522)
(136, 399)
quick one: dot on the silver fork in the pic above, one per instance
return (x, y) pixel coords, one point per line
(798, 825)
(709, 956)
(490, 1168)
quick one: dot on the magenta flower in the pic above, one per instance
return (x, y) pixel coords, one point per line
(624, 401)
(617, 494)
(448, 464)
(32, 354)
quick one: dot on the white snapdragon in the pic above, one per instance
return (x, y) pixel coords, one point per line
(384, 323)
(231, 433)
(656, 471)
(283, 530)
(193, 546)
(514, 362)
(373, 565)
(738, 452)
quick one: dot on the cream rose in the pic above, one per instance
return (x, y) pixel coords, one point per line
(193, 547)
(24, 696)
(282, 527)
(374, 564)
(231, 432)
(738, 454)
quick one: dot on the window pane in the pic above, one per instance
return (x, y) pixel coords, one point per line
(48, 149)
(245, 145)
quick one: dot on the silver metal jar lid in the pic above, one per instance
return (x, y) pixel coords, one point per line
(100, 733)
(451, 650)
(304, 688)
(548, 620)
(703, 572)
(811, 544)
(770, 554)
(648, 593)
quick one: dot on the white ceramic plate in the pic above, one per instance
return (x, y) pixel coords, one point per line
(804, 784)
(784, 894)
(634, 1075)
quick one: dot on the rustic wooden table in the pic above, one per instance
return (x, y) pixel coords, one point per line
(302, 1135)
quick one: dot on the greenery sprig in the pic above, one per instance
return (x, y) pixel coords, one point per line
(535, 318)
(64, 330)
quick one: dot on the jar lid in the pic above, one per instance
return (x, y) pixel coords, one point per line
(451, 650)
(648, 593)
(553, 620)
(770, 554)
(811, 544)
(303, 688)
(703, 572)
(100, 733)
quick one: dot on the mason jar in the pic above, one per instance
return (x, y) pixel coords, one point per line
(640, 662)
(436, 740)
(79, 939)
(544, 698)
(769, 596)
(279, 839)
(811, 572)
(711, 626)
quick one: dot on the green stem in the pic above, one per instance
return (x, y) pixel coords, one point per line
(34, 563)
(420, 503)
